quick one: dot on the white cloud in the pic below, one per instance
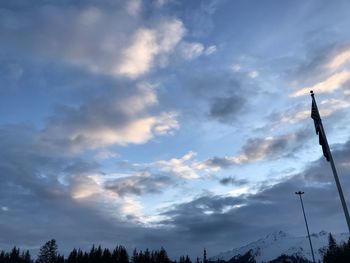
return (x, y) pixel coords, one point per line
(103, 41)
(105, 154)
(210, 50)
(137, 131)
(253, 74)
(166, 123)
(330, 84)
(181, 167)
(140, 56)
(329, 106)
(236, 67)
(339, 60)
(121, 121)
(89, 189)
(190, 51)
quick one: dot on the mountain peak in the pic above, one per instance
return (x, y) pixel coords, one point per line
(279, 242)
(277, 235)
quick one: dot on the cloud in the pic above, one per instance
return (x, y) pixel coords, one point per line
(260, 148)
(210, 50)
(140, 56)
(330, 84)
(233, 181)
(224, 108)
(139, 184)
(327, 107)
(236, 67)
(257, 149)
(220, 217)
(111, 119)
(122, 48)
(253, 74)
(133, 7)
(191, 50)
(339, 60)
(330, 71)
(181, 167)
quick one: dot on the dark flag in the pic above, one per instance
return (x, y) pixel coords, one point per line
(315, 115)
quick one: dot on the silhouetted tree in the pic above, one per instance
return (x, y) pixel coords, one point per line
(48, 252)
(337, 253)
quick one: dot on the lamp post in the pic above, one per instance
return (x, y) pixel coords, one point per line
(307, 227)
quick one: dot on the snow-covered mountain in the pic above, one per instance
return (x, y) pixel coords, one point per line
(278, 243)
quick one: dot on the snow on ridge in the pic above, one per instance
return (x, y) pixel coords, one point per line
(280, 242)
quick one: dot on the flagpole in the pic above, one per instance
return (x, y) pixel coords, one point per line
(336, 178)
(307, 226)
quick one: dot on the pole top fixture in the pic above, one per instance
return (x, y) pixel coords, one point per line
(299, 193)
(312, 93)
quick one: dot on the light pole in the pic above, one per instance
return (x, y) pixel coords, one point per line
(307, 227)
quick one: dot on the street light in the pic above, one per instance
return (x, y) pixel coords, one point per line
(307, 227)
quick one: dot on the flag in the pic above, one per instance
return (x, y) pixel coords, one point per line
(315, 115)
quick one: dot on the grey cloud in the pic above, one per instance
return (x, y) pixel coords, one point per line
(35, 197)
(220, 162)
(36, 200)
(107, 119)
(35, 186)
(276, 147)
(140, 184)
(38, 31)
(233, 181)
(221, 94)
(226, 107)
(271, 208)
(255, 149)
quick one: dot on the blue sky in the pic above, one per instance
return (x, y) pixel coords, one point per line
(183, 124)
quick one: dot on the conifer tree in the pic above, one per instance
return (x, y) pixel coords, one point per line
(48, 252)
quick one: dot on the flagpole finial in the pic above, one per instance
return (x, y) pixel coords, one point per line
(312, 92)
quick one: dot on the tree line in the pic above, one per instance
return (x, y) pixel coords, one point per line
(333, 253)
(49, 254)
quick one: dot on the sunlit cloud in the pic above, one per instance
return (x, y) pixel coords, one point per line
(181, 167)
(339, 60)
(330, 84)
(326, 107)
(119, 122)
(140, 56)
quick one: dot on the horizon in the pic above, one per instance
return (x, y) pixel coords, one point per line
(182, 124)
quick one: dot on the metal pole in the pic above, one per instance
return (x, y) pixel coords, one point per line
(336, 178)
(307, 226)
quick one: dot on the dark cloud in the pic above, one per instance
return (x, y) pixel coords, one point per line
(220, 162)
(226, 107)
(221, 95)
(233, 181)
(276, 147)
(33, 188)
(205, 219)
(140, 184)
(256, 149)
(37, 188)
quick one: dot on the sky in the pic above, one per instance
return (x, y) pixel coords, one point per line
(182, 124)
